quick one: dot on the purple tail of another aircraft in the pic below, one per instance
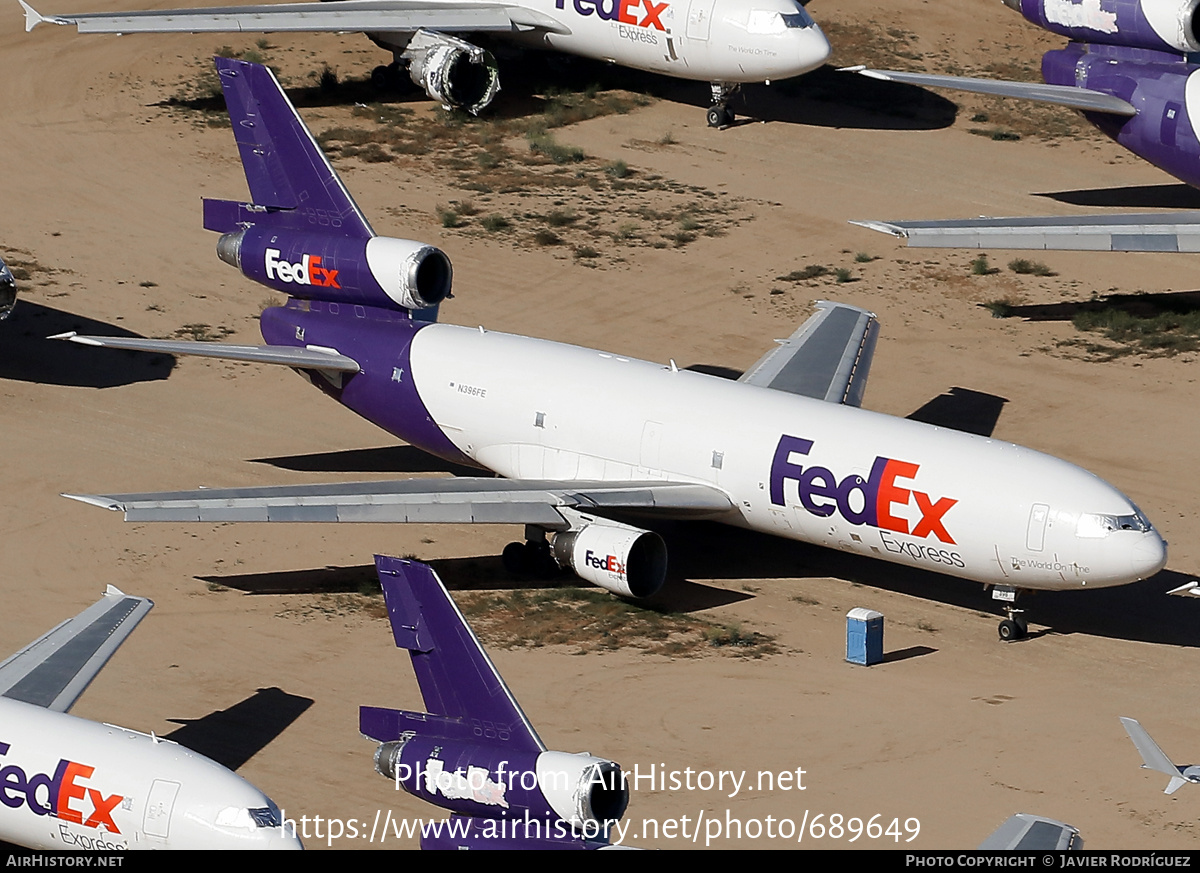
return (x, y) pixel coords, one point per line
(475, 753)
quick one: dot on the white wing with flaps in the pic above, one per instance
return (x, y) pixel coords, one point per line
(1060, 95)
(1138, 232)
(54, 669)
(394, 16)
(462, 500)
(308, 358)
(827, 358)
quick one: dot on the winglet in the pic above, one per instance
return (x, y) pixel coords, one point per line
(458, 681)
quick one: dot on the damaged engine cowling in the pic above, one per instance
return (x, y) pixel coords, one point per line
(8, 291)
(1162, 25)
(452, 71)
(620, 558)
(380, 271)
(493, 781)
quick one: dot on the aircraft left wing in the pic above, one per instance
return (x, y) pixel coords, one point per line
(54, 669)
(1137, 232)
(307, 358)
(827, 358)
(461, 500)
(403, 16)
(1060, 95)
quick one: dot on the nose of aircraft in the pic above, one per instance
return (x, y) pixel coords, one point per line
(1148, 556)
(813, 49)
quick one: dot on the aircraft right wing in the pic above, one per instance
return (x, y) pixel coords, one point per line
(54, 669)
(461, 687)
(827, 358)
(1137, 232)
(1061, 95)
(456, 500)
(308, 358)
(401, 16)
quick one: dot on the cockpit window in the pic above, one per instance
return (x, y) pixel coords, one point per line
(764, 21)
(1093, 525)
(799, 18)
(266, 817)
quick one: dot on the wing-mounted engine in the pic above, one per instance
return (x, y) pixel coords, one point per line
(452, 71)
(380, 271)
(475, 753)
(620, 558)
(1162, 25)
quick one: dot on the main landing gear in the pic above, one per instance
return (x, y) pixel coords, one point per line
(1015, 627)
(720, 115)
(530, 558)
(391, 77)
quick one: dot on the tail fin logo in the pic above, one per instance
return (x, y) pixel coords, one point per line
(308, 272)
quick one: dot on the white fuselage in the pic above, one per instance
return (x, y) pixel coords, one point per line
(810, 470)
(68, 783)
(706, 40)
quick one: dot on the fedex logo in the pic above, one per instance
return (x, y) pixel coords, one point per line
(308, 272)
(608, 563)
(859, 501)
(621, 11)
(62, 795)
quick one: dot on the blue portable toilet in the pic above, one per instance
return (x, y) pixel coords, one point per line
(864, 636)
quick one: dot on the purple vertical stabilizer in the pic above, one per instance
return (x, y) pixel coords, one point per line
(456, 676)
(474, 753)
(285, 168)
(303, 234)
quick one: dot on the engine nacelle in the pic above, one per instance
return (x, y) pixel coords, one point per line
(380, 271)
(1161, 25)
(452, 71)
(8, 291)
(1165, 90)
(622, 559)
(586, 793)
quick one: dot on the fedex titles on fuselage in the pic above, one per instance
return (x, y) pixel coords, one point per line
(636, 19)
(66, 796)
(869, 501)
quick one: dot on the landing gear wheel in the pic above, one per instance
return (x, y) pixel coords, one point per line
(1009, 631)
(531, 558)
(391, 77)
(380, 78)
(720, 116)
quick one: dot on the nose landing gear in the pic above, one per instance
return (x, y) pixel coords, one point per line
(720, 115)
(1015, 627)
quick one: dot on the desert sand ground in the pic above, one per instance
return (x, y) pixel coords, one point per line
(102, 186)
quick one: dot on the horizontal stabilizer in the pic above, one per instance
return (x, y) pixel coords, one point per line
(456, 677)
(1153, 757)
(56, 668)
(345, 16)
(308, 358)
(1137, 232)
(827, 358)
(1061, 95)
(227, 216)
(461, 500)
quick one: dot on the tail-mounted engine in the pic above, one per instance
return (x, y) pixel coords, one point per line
(379, 271)
(622, 559)
(1161, 25)
(586, 793)
(452, 71)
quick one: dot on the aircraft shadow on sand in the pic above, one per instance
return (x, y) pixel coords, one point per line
(233, 736)
(964, 410)
(27, 356)
(1177, 196)
(1142, 306)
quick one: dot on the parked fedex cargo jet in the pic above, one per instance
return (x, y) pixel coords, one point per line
(506, 790)
(723, 42)
(589, 441)
(69, 783)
